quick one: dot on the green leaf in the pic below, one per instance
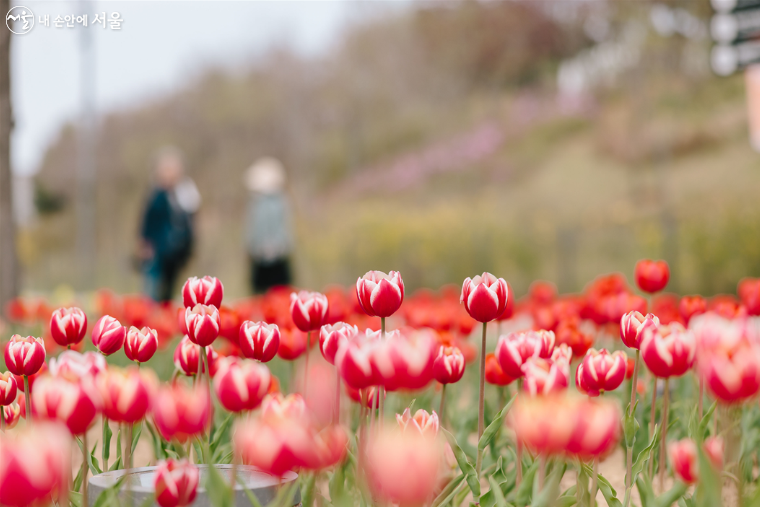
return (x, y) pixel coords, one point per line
(78, 479)
(116, 465)
(495, 426)
(448, 492)
(216, 439)
(136, 437)
(75, 498)
(548, 496)
(706, 421)
(106, 439)
(336, 486)
(645, 455)
(93, 462)
(708, 492)
(307, 489)
(219, 492)
(630, 425)
(499, 499)
(525, 490)
(670, 496)
(645, 491)
(466, 467)
(118, 444)
(608, 491)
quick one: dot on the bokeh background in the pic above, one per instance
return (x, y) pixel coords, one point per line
(536, 140)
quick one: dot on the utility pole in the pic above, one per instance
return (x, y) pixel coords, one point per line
(9, 279)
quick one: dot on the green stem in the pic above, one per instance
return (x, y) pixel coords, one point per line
(85, 469)
(443, 401)
(663, 464)
(2, 418)
(381, 389)
(306, 365)
(652, 414)
(104, 451)
(27, 400)
(481, 398)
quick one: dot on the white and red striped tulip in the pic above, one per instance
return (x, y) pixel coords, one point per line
(380, 295)
(405, 361)
(484, 297)
(68, 326)
(187, 358)
(24, 355)
(8, 388)
(202, 291)
(354, 362)
(308, 310)
(241, 385)
(203, 324)
(544, 376)
(603, 371)
(668, 351)
(175, 483)
(333, 336)
(126, 394)
(75, 365)
(259, 340)
(182, 412)
(12, 414)
(514, 349)
(141, 344)
(73, 402)
(108, 335)
(632, 326)
(423, 422)
(448, 367)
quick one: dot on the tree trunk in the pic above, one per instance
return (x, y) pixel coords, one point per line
(9, 284)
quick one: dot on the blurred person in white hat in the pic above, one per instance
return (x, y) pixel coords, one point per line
(268, 230)
(166, 232)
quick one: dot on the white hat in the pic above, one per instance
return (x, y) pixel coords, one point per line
(266, 175)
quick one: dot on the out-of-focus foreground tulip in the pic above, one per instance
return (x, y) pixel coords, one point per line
(333, 336)
(259, 340)
(652, 276)
(181, 412)
(241, 385)
(76, 365)
(668, 351)
(354, 362)
(126, 394)
(380, 295)
(68, 326)
(74, 402)
(404, 360)
(175, 483)
(544, 376)
(108, 335)
(202, 291)
(424, 422)
(684, 460)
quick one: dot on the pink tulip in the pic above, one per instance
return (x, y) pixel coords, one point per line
(141, 344)
(380, 295)
(448, 367)
(24, 355)
(259, 340)
(684, 460)
(652, 276)
(202, 291)
(308, 310)
(484, 297)
(562, 352)
(276, 406)
(597, 429)
(181, 412)
(713, 447)
(603, 371)
(354, 362)
(12, 414)
(108, 335)
(126, 393)
(423, 422)
(668, 351)
(8, 388)
(187, 358)
(543, 376)
(68, 326)
(175, 483)
(74, 403)
(405, 361)
(75, 365)
(241, 385)
(203, 324)
(514, 349)
(632, 327)
(333, 336)
(35, 465)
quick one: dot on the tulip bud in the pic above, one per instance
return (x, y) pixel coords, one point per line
(126, 393)
(12, 414)
(713, 447)
(181, 412)
(68, 326)
(203, 324)
(333, 336)
(187, 358)
(74, 403)
(241, 385)
(423, 422)
(514, 349)
(668, 351)
(652, 276)
(175, 482)
(684, 460)
(108, 335)
(259, 340)
(632, 327)
(24, 355)
(691, 306)
(8, 388)
(603, 371)
(202, 291)
(308, 310)
(543, 376)
(141, 344)
(484, 297)
(448, 367)
(380, 295)
(494, 374)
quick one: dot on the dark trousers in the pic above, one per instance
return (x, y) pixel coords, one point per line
(268, 274)
(161, 278)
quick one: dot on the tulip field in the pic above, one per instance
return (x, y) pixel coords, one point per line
(621, 395)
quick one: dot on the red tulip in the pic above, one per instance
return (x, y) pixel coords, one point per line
(333, 336)
(569, 333)
(404, 361)
(241, 385)
(494, 374)
(603, 371)
(354, 362)
(514, 349)
(691, 306)
(202, 291)
(108, 335)
(181, 412)
(8, 388)
(543, 376)
(12, 414)
(292, 344)
(668, 351)
(632, 327)
(684, 460)
(580, 382)
(448, 367)
(749, 293)
(68, 326)
(141, 344)
(402, 466)
(259, 340)
(423, 422)
(187, 358)
(24, 355)
(597, 429)
(713, 447)
(35, 465)
(652, 276)
(175, 483)
(75, 365)
(202, 324)
(126, 393)
(380, 295)
(74, 403)
(308, 310)
(484, 297)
